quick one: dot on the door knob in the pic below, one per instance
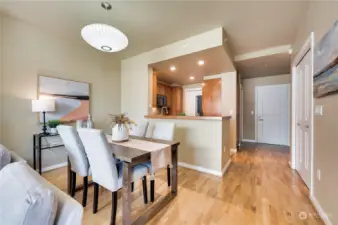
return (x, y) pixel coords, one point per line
(260, 119)
(298, 124)
(307, 126)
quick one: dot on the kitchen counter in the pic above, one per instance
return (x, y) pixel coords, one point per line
(188, 117)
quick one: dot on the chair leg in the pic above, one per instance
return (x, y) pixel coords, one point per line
(152, 190)
(73, 184)
(132, 187)
(96, 197)
(85, 191)
(145, 191)
(114, 208)
(168, 176)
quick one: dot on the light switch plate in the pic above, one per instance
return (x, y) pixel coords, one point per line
(318, 110)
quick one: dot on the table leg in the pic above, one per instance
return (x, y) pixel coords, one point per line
(126, 201)
(69, 177)
(34, 152)
(40, 167)
(174, 171)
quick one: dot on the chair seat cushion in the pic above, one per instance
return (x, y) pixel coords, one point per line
(138, 172)
(23, 199)
(5, 156)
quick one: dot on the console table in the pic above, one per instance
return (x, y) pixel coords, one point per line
(37, 148)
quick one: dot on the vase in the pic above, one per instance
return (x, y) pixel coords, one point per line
(120, 133)
(53, 130)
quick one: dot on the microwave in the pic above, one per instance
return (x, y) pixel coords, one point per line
(161, 101)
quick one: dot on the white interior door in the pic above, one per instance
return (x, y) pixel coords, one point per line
(304, 118)
(273, 114)
(190, 101)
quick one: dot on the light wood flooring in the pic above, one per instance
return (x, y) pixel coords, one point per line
(259, 188)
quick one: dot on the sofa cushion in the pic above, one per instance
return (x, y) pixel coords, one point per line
(24, 200)
(5, 156)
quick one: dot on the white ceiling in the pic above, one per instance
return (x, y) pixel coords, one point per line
(215, 60)
(249, 25)
(268, 65)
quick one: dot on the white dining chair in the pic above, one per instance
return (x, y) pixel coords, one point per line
(106, 172)
(161, 131)
(77, 157)
(139, 129)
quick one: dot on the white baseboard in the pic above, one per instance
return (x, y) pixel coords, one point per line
(226, 167)
(200, 169)
(320, 210)
(233, 151)
(53, 167)
(249, 140)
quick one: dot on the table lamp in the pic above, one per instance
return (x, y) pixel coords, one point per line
(43, 105)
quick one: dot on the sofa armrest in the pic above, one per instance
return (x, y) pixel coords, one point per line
(16, 158)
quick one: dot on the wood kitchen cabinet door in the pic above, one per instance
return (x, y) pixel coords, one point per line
(154, 90)
(160, 89)
(168, 93)
(211, 97)
(177, 100)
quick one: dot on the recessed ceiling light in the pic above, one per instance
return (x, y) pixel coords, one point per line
(200, 62)
(172, 68)
(192, 78)
(203, 84)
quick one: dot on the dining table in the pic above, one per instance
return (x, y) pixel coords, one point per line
(132, 155)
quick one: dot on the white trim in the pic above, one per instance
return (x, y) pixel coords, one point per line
(200, 169)
(233, 151)
(53, 167)
(211, 77)
(241, 105)
(308, 46)
(265, 52)
(226, 167)
(249, 140)
(320, 210)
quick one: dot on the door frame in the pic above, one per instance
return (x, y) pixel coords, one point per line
(308, 46)
(256, 106)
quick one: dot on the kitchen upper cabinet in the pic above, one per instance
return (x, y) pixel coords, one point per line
(154, 90)
(168, 93)
(211, 102)
(160, 89)
(177, 100)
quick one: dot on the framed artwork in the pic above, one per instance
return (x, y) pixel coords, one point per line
(72, 98)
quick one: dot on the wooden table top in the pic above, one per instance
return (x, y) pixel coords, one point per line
(133, 155)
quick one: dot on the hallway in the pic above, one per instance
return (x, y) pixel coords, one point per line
(258, 189)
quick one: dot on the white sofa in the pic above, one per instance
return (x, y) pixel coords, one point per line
(69, 211)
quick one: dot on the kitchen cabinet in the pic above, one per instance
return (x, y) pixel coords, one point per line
(177, 100)
(211, 103)
(168, 93)
(160, 89)
(154, 89)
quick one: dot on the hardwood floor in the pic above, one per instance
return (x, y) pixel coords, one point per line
(258, 189)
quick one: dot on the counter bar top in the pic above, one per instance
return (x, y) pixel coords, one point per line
(188, 117)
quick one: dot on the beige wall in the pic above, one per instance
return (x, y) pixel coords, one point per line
(229, 104)
(249, 97)
(27, 52)
(199, 147)
(0, 77)
(320, 17)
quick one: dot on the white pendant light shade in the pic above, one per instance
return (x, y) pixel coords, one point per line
(104, 37)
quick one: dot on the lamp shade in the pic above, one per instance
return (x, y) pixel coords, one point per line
(43, 105)
(104, 37)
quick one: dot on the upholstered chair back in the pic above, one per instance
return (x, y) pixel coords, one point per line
(101, 159)
(139, 129)
(75, 149)
(164, 131)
